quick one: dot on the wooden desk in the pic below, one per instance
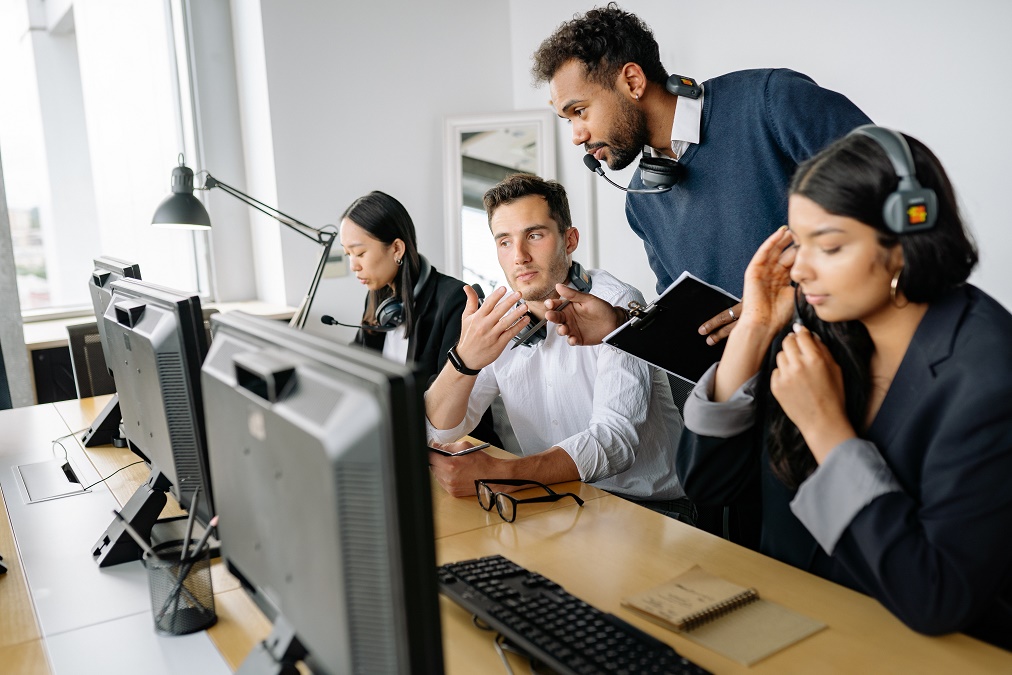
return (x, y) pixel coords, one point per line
(601, 552)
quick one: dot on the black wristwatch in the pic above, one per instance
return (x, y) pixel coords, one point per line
(454, 358)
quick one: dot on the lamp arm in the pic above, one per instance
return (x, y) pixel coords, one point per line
(308, 231)
(302, 313)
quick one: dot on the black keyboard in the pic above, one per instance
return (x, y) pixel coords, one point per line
(565, 633)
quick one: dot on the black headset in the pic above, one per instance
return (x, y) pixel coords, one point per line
(390, 313)
(580, 280)
(909, 208)
(659, 174)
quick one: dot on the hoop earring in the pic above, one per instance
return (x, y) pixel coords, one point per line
(894, 289)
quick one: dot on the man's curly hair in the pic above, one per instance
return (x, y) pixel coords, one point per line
(604, 40)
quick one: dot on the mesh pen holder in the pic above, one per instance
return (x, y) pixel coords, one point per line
(182, 599)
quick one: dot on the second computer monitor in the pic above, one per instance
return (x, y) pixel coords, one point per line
(321, 482)
(157, 341)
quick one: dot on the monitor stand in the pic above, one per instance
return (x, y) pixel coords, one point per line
(276, 655)
(104, 430)
(116, 546)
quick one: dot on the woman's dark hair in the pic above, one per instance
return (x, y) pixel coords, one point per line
(386, 220)
(852, 178)
(604, 40)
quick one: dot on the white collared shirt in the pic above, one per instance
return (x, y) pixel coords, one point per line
(611, 412)
(686, 126)
(395, 345)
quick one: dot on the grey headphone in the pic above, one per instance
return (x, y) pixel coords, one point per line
(910, 208)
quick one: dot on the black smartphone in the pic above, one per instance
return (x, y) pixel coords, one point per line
(462, 452)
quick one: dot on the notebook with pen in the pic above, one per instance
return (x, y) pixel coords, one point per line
(731, 620)
(665, 333)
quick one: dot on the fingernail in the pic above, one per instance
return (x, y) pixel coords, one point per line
(798, 326)
(710, 341)
(783, 227)
(702, 331)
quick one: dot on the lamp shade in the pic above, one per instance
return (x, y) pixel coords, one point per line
(181, 208)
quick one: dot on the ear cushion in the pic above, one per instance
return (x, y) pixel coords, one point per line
(390, 313)
(660, 171)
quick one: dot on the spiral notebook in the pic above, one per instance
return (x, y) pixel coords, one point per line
(722, 616)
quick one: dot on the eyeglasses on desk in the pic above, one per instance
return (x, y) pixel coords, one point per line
(507, 504)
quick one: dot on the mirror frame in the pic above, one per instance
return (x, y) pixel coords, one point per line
(453, 199)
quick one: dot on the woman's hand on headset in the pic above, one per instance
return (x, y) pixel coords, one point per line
(487, 328)
(586, 320)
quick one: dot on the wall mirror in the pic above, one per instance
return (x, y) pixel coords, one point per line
(478, 152)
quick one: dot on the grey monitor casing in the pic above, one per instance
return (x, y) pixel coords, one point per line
(322, 491)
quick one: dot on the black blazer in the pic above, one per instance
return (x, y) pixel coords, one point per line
(437, 325)
(935, 554)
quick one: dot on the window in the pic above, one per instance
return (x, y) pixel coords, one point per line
(90, 129)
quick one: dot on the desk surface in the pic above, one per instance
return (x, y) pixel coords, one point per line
(601, 552)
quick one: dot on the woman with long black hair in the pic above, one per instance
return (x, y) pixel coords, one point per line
(870, 406)
(412, 311)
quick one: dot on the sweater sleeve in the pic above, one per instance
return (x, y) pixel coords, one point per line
(805, 117)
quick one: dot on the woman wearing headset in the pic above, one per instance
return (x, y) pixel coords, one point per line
(412, 312)
(877, 425)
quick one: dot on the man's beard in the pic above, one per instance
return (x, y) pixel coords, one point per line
(557, 273)
(629, 136)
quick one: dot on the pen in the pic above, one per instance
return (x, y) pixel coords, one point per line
(145, 546)
(207, 534)
(189, 522)
(536, 327)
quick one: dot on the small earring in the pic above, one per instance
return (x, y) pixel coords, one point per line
(894, 289)
(636, 96)
(399, 261)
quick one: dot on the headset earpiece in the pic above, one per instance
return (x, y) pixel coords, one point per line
(390, 313)
(660, 172)
(679, 85)
(910, 208)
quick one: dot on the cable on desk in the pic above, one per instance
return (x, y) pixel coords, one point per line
(139, 461)
(59, 441)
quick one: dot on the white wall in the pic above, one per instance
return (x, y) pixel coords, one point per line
(935, 69)
(357, 93)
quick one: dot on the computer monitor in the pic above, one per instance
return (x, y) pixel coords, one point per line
(104, 429)
(321, 483)
(157, 343)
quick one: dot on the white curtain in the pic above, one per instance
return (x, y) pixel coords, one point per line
(12, 336)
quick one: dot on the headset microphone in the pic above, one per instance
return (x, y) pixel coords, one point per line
(331, 321)
(657, 173)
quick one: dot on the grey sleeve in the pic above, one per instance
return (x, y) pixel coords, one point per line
(853, 475)
(720, 420)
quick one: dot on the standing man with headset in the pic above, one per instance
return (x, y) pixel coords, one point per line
(725, 149)
(595, 414)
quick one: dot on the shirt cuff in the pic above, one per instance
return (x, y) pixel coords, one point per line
(729, 418)
(853, 475)
(443, 435)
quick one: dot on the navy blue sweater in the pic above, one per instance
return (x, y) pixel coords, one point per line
(757, 126)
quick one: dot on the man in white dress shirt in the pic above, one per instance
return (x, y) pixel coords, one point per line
(593, 414)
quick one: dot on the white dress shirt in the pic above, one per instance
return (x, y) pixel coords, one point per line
(686, 125)
(395, 346)
(611, 412)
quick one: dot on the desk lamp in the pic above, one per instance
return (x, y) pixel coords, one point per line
(183, 209)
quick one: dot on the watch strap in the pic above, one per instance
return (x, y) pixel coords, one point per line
(454, 358)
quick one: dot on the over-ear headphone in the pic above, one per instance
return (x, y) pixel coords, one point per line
(390, 313)
(910, 208)
(659, 174)
(580, 280)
